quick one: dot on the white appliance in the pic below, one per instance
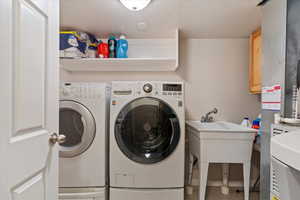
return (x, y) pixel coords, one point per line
(147, 134)
(82, 193)
(285, 178)
(84, 122)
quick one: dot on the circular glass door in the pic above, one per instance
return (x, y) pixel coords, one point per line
(78, 125)
(147, 130)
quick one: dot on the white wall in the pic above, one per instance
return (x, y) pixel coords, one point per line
(215, 72)
(216, 75)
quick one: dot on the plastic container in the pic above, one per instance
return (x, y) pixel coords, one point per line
(72, 45)
(112, 45)
(92, 51)
(256, 123)
(75, 44)
(92, 44)
(246, 122)
(122, 47)
(103, 50)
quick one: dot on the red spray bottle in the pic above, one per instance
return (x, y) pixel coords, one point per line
(103, 50)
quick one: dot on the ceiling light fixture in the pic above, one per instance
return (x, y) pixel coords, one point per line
(135, 5)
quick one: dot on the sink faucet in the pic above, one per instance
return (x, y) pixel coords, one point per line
(207, 117)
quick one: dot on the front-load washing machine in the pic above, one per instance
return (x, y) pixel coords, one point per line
(83, 119)
(147, 133)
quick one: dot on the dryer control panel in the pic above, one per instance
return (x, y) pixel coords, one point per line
(80, 90)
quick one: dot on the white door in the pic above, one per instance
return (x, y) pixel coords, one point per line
(29, 85)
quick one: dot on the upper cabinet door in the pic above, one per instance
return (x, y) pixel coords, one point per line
(255, 80)
(29, 85)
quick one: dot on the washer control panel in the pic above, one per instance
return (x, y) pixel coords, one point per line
(145, 88)
(172, 89)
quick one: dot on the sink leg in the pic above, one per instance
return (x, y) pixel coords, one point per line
(203, 169)
(225, 173)
(246, 169)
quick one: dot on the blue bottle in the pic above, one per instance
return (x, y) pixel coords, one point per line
(122, 47)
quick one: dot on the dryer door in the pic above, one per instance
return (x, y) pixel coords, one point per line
(77, 123)
(147, 130)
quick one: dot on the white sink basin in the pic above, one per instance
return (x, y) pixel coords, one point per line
(221, 129)
(220, 126)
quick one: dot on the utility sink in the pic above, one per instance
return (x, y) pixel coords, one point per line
(220, 142)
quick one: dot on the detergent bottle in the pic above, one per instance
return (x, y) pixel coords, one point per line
(122, 47)
(112, 45)
(103, 50)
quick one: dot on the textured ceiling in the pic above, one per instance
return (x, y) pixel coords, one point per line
(194, 18)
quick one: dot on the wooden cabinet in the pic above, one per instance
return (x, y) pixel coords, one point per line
(255, 82)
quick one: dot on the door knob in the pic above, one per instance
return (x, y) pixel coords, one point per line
(55, 138)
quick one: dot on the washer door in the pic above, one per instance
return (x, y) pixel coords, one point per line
(77, 123)
(147, 130)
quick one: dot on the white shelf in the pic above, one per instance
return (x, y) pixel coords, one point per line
(150, 55)
(116, 64)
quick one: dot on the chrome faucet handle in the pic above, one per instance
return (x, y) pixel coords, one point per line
(211, 119)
